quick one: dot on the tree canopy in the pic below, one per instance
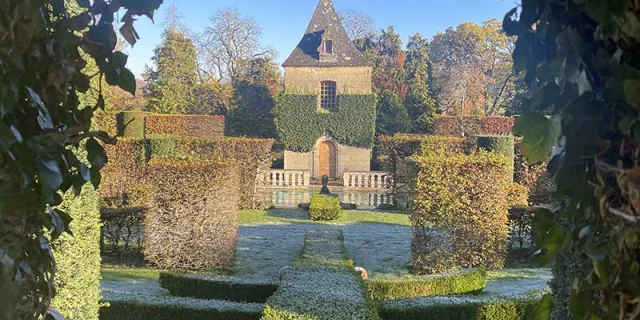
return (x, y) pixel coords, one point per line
(171, 82)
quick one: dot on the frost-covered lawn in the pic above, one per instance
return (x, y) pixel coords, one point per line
(378, 241)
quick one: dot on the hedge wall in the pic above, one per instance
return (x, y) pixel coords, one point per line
(252, 155)
(322, 284)
(193, 221)
(202, 126)
(459, 308)
(433, 145)
(139, 124)
(217, 287)
(471, 125)
(106, 121)
(300, 124)
(460, 212)
(131, 124)
(142, 307)
(77, 281)
(502, 144)
(463, 282)
(125, 168)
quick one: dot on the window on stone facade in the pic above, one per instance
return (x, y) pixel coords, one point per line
(327, 46)
(328, 95)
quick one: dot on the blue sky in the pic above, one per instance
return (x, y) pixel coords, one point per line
(284, 21)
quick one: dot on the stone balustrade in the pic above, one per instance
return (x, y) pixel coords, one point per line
(367, 180)
(287, 178)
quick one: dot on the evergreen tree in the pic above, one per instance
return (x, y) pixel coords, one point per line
(258, 84)
(171, 83)
(420, 104)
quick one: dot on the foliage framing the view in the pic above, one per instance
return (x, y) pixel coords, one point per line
(42, 56)
(581, 60)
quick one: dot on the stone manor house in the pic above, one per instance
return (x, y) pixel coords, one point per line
(326, 63)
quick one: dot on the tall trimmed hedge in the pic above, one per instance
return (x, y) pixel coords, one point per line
(77, 280)
(252, 155)
(131, 124)
(460, 212)
(502, 144)
(126, 167)
(299, 122)
(432, 145)
(203, 126)
(193, 221)
(471, 125)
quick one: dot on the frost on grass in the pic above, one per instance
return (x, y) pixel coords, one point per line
(191, 303)
(380, 248)
(142, 286)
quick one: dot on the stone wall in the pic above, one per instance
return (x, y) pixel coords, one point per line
(355, 80)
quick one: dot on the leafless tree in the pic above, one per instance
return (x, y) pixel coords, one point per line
(173, 19)
(228, 39)
(357, 24)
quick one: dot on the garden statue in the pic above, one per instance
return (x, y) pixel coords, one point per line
(325, 183)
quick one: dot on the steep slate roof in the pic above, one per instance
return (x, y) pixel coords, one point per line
(326, 19)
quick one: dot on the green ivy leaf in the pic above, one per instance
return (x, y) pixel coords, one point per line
(50, 173)
(127, 81)
(539, 134)
(543, 309)
(549, 237)
(96, 154)
(119, 59)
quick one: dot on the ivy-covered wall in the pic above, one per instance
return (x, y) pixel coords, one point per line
(300, 124)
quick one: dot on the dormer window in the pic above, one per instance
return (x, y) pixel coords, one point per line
(328, 95)
(327, 47)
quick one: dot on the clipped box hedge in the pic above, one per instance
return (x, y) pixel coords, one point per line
(322, 284)
(217, 287)
(324, 207)
(146, 307)
(192, 223)
(389, 288)
(459, 308)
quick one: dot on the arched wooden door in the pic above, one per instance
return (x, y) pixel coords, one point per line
(327, 163)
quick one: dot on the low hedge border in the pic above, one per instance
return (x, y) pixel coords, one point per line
(460, 308)
(205, 286)
(149, 307)
(388, 288)
(324, 207)
(322, 284)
